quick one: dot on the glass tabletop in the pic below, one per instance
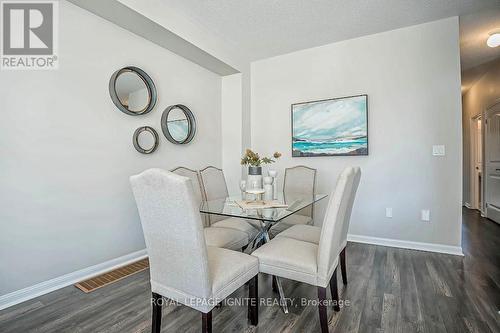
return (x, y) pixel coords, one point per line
(229, 207)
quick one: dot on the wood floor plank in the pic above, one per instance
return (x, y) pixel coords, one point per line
(371, 317)
(355, 291)
(426, 294)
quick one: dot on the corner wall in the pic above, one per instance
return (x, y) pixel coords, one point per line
(412, 78)
(232, 113)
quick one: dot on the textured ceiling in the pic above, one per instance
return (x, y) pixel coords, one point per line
(474, 31)
(265, 28)
(476, 57)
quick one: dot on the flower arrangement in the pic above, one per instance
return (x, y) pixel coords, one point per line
(253, 159)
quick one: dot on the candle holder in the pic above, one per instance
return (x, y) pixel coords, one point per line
(268, 188)
(243, 188)
(274, 175)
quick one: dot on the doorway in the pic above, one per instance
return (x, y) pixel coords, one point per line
(476, 126)
(492, 162)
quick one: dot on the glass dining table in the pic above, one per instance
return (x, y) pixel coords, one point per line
(261, 218)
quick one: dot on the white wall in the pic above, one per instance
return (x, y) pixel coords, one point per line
(412, 79)
(66, 151)
(232, 104)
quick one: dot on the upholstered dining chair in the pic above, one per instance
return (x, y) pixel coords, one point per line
(197, 187)
(312, 233)
(219, 237)
(214, 186)
(310, 263)
(299, 181)
(182, 267)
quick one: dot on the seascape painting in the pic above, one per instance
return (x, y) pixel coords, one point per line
(334, 127)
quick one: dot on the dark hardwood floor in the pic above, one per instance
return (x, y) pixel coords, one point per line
(389, 290)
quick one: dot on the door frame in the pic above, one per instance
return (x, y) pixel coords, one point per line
(485, 128)
(473, 193)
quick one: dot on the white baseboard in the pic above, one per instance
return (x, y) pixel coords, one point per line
(467, 205)
(455, 250)
(45, 287)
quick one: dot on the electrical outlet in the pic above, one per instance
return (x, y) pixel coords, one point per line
(426, 215)
(438, 150)
(388, 212)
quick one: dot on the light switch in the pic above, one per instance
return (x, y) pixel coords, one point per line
(438, 150)
(388, 212)
(426, 215)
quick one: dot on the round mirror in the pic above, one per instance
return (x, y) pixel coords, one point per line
(132, 91)
(178, 124)
(146, 140)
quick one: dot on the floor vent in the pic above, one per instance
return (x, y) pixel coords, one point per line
(112, 276)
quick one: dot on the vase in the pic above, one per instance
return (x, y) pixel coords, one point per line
(254, 179)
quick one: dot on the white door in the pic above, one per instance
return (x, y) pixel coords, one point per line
(492, 161)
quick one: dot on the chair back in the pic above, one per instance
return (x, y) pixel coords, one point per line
(197, 187)
(336, 222)
(214, 186)
(350, 204)
(300, 181)
(173, 232)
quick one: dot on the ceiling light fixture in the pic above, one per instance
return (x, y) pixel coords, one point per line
(493, 40)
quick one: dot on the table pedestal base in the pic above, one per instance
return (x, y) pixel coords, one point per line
(263, 235)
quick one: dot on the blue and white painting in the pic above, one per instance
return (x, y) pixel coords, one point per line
(331, 127)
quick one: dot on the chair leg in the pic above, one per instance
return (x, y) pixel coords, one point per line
(334, 290)
(323, 318)
(275, 284)
(343, 266)
(156, 320)
(206, 322)
(253, 301)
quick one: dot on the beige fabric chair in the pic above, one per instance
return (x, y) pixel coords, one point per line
(306, 233)
(197, 187)
(227, 238)
(214, 186)
(299, 181)
(315, 264)
(182, 267)
(311, 233)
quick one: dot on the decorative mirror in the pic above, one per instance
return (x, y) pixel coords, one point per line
(146, 140)
(132, 91)
(178, 124)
